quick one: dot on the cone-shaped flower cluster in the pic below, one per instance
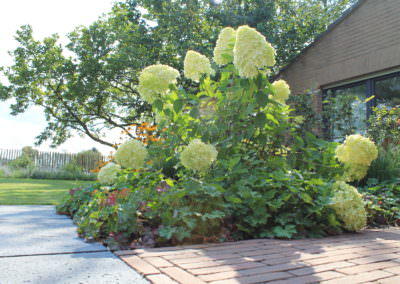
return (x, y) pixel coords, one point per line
(108, 174)
(252, 53)
(281, 91)
(224, 47)
(154, 81)
(196, 65)
(356, 153)
(349, 206)
(131, 154)
(198, 156)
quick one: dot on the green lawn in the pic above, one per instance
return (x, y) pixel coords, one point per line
(34, 191)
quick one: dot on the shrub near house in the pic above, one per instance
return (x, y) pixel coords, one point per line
(227, 163)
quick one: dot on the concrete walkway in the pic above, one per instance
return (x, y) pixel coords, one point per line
(372, 256)
(38, 246)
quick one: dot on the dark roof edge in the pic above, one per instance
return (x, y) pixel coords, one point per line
(346, 13)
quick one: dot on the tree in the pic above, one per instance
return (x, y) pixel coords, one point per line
(94, 89)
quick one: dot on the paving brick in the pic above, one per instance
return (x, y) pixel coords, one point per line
(316, 277)
(158, 261)
(245, 272)
(140, 265)
(210, 263)
(321, 268)
(203, 258)
(255, 278)
(355, 269)
(390, 280)
(394, 269)
(160, 279)
(329, 259)
(181, 275)
(375, 258)
(360, 278)
(222, 268)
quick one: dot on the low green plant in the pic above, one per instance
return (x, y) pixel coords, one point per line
(382, 202)
(387, 166)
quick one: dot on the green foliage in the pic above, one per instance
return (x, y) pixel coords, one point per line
(387, 165)
(384, 126)
(382, 202)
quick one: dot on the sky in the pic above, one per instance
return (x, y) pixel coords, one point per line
(46, 17)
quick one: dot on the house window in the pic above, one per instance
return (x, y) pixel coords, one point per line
(387, 91)
(347, 107)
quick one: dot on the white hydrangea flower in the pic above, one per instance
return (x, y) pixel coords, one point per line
(196, 65)
(131, 154)
(252, 52)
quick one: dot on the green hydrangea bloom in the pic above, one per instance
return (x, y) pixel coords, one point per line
(131, 154)
(356, 153)
(108, 174)
(154, 81)
(196, 65)
(252, 52)
(349, 206)
(281, 91)
(225, 43)
(198, 156)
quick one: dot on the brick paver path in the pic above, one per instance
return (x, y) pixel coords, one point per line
(372, 256)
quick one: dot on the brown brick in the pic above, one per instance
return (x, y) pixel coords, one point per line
(367, 267)
(242, 273)
(375, 258)
(203, 258)
(140, 265)
(223, 268)
(181, 275)
(209, 263)
(360, 278)
(316, 277)
(321, 268)
(390, 280)
(329, 259)
(160, 279)
(255, 278)
(158, 261)
(394, 269)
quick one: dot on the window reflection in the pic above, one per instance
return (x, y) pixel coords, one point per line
(350, 111)
(387, 92)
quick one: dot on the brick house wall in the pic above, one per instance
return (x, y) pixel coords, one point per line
(364, 41)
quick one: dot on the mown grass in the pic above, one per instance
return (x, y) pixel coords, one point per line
(35, 191)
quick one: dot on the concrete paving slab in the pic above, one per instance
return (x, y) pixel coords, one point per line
(82, 268)
(29, 211)
(39, 247)
(41, 233)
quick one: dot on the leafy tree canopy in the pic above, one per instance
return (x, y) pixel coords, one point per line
(89, 86)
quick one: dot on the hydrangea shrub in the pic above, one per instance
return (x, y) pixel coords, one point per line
(228, 161)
